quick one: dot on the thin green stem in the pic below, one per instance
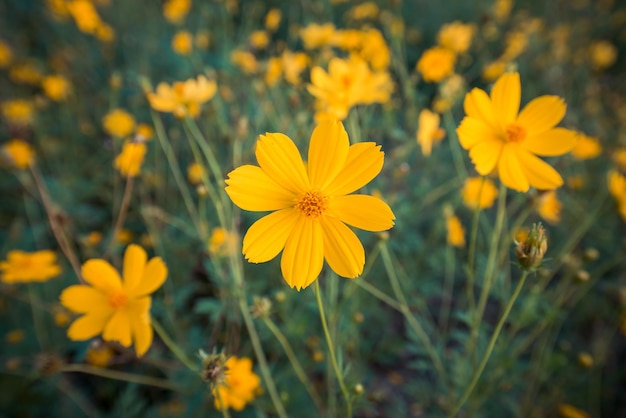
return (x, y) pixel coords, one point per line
(331, 350)
(448, 289)
(214, 165)
(174, 348)
(471, 255)
(378, 294)
(492, 343)
(116, 375)
(455, 147)
(223, 408)
(40, 333)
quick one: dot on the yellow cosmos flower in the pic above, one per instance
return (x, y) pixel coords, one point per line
(56, 87)
(259, 39)
(436, 64)
(456, 36)
(549, 207)
(99, 355)
(240, 386)
(315, 36)
(18, 153)
(479, 191)
(176, 10)
(130, 159)
(617, 188)
(194, 173)
(18, 112)
(23, 267)
(586, 147)
(6, 54)
(312, 203)
(182, 42)
(456, 232)
(272, 19)
(85, 15)
(118, 123)
(428, 131)
(222, 242)
(26, 73)
(245, 60)
(603, 54)
(183, 98)
(569, 411)
(119, 310)
(500, 137)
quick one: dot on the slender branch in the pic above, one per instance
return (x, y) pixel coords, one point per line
(116, 375)
(174, 348)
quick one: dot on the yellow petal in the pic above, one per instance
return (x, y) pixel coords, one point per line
(101, 275)
(485, 155)
(362, 211)
(550, 143)
(250, 188)
(267, 236)
(364, 162)
(471, 131)
(134, 264)
(505, 98)
(80, 298)
(539, 173)
(153, 277)
(328, 151)
(88, 326)
(141, 328)
(342, 249)
(303, 256)
(279, 157)
(510, 171)
(118, 328)
(541, 114)
(477, 105)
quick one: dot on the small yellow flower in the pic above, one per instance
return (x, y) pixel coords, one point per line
(23, 267)
(549, 207)
(569, 411)
(363, 11)
(26, 73)
(18, 153)
(456, 232)
(85, 15)
(222, 242)
(456, 36)
(293, 64)
(272, 19)
(202, 40)
(515, 44)
(428, 131)
(245, 60)
(240, 386)
(274, 71)
(182, 42)
(124, 236)
(144, 132)
(502, 9)
(129, 161)
(493, 70)
(575, 182)
(479, 191)
(118, 309)
(586, 147)
(603, 54)
(105, 33)
(14, 337)
(617, 188)
(259, 39)
(619, 156)
(585, 359)
(436, 64)
(183, 98)
(93, 238)
(56, 87)
(6, 54)
(315, 36)
(99, 355)
(118, 123)
(18, 112)
(194, 173)
(176, 10)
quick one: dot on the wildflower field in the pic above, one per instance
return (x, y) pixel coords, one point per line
(336, 208)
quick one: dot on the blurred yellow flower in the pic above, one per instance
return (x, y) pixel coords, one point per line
(222, 242)
(93, 238)
(18, 153)
(85, 15)
(374, 49)
(293, 64)
(366, 10)
(586, 147)
(176, 10)
(479, 191)
(436, 64)
(129, 161)
(144, 132)
(575, 182)
(502, 9)
(6, 54)
(272, 19)
(56, 87)
(498, 135)
(183, 98)
(456, 233)
(569, 411)
(315, 36)
(245, 60)
(549, 207)
(23, 267)
(603, 54)
(239, 387)
(120, 310)
(619, 156)
(99, 355)
(515, 43)
(124, 236)
(274, 71)
(617, 188)
(194, 173)
(118, 123)
(312, 203)
(428, 131)
(259, 39)
(18, 112)
(182, 42)
(25, 73)
(202, 39)
(14, 337)
(493, 70)
(105, 33)
(61, 317)
(456, 36)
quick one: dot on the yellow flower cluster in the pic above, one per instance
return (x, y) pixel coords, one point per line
(289, 64)
(23, 267)
(183, 98)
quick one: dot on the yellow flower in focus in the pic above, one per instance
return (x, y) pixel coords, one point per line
(568, 411)
(245, 60)
(428, 131)
(315, 36)
(493, 70)
(586, 147)
(499, 136)
(56, 87)
(456, 36)
(183, 98)
(272, 19)
(6, 54)
(549, 207)
(479, 192)
(259, 39)
(23, 267)
(18, 153)
(26, 73)
(194, 173)
(118, 123)
(182, 42)
(144, 132)
(129, 161)
(436, 64)
(363, 11)
(85, 15)
(222, 242)
(176, 10)
(99, 355)
(312, 203)
(118, 309)
(18, 112)
(240, 386)
(603, 54)
(456, 232)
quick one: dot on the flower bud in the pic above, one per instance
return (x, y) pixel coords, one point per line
(531, 250)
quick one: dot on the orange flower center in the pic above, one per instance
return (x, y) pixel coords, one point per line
(118, 299)
(515, 133)
(347, 80)
(311, 204)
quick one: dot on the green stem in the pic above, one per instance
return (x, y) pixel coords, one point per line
(206, 149)
(331, 350)
(455, 147)
(490, 347)
(174, 348)
(471, 256)
(37, 323)
(115, 375)
(223, 408)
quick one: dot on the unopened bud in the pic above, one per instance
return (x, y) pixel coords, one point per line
(260, 307)
(531, 250)
(358, 389)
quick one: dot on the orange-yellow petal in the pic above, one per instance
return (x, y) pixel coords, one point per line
(328, 151)
(485, 155)
(101, 275)
(80, 298)
(280, 159)
(303, 256)
(539, 173)
(541, 114)
(550, 143)
(118, 328)
(342, 249)
(250, 188)
(141, 328)
(510, 170)
(135, 259)
(364, 162)
(477, 105)
(267, 236)
(505, 98)
(153, 277)
(471, 131)
(88, 326)
(362, 211)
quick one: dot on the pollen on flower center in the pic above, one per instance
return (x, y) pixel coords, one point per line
(311, 204)
(118, 299)
(515, 133)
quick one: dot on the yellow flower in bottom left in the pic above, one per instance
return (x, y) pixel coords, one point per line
(118, 309)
